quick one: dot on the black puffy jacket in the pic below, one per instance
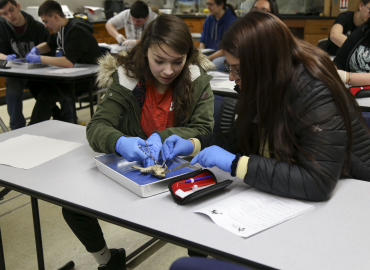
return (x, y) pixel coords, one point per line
(327, 144)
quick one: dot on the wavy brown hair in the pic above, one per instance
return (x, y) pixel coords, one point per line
(171, 31)
(269, 60)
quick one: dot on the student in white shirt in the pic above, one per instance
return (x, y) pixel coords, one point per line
(134, 21)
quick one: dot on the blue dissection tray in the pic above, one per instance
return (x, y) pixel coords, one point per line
(144, 185)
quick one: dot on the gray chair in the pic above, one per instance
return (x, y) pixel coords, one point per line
(224, 113)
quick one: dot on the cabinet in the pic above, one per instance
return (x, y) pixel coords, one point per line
(2, 87)
(317, 29)
(102, 36)
(196, 26)
(313, 30)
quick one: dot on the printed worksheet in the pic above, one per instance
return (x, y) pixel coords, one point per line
(253, 211)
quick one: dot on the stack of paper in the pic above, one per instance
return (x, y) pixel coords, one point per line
(253, 211)
(224, 85)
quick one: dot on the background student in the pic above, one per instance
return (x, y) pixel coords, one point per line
(298, 127)
(19, 32)
(267, 5)
(134, 20)
(214, 27)
(157, 89)
(345, 24)
(353, 58)
(76, 41)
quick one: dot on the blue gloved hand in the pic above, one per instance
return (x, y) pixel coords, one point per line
(128, 147)
(175, 145)
(32, 58)
(156, 142)
(11, 57)
(214, 156)
(34, 51)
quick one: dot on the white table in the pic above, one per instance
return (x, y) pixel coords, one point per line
(42, 74)
(335, 235)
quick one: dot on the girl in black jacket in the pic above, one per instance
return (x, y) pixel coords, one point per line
(298, 127)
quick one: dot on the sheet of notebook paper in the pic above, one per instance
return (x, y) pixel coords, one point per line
(28, 151)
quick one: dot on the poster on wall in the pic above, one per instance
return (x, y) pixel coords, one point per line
(343, 6)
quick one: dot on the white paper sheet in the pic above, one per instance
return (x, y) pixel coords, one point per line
(196, 35)
(224, 85)
(218, 75)
(67, 70)
(28, 151)
(253, 211)
(364, 102)
(206, 50)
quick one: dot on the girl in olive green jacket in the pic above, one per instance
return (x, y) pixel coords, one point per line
(158, 89)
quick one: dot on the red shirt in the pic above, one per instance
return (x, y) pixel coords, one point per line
(157, 113)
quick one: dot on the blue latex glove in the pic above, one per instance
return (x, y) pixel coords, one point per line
(128, 147)
(175, 145)
(32, 58)
(34, 51)
(156, 142)
(11, 57)
(214, 156)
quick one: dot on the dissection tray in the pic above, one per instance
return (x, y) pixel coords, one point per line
(143, 185)
(22, 63)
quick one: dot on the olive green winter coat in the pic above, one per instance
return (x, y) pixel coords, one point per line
(119, 113)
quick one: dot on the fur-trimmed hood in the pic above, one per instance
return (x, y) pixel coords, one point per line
(108, 65)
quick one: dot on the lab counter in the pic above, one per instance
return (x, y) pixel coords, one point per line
(309, 28)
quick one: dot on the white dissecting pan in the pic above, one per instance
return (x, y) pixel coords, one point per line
(143, 185)
(22, 63)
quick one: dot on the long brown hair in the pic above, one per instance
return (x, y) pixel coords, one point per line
(270, 58)
(171, 31)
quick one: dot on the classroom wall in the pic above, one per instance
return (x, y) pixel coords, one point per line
(77, 6)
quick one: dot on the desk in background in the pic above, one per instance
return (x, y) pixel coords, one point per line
(332, 236)
(41, 74)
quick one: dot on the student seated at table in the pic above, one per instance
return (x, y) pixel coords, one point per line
(134, 20)
(157, 89)
(19, 33)
(353, 59)
(345, 24)
(262, 5)
(76, 41)
(214, 27)
(298, 128)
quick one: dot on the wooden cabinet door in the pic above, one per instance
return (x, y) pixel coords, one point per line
(100, 31)
(318, 27)
(195, 24)
(2, 87)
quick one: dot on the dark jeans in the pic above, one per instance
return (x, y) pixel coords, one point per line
(201, 264)
(14, 100)
(87, 230)
(51, 93)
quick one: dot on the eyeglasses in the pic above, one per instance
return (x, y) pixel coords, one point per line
(235, 72)
(368, 9)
